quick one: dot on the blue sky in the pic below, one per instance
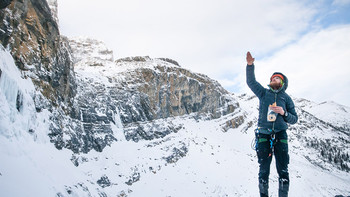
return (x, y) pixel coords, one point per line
(334, 12)
(307, 40)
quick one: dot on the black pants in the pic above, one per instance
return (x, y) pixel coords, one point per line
(265, 153)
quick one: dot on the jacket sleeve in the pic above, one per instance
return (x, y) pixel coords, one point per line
(292, 117)
(255, 86)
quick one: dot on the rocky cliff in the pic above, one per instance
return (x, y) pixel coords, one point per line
(133, 94)
(30, 33)
(84, 108)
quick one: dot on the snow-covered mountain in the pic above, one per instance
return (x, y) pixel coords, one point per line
(142, 126)
(202, 156)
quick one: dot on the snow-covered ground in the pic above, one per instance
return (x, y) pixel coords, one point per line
(198, 160)
(338, 115)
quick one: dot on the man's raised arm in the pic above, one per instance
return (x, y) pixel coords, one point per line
(250, 59)
(256, 87)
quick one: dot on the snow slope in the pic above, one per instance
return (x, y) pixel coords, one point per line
(328, 111)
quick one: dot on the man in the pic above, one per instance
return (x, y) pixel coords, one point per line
(276, 109)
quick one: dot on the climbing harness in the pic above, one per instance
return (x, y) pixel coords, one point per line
(267, 137)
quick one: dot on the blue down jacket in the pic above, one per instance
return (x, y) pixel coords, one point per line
(269, 96)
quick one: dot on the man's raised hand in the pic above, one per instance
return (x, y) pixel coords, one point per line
(250, 59)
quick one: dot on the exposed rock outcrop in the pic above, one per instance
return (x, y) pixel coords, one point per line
(30, 32)
(165, 90)
(4, 3)
(136, 92)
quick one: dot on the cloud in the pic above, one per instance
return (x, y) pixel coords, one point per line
(317, 66)
(196, 33)
(212, 37)
(341, 2)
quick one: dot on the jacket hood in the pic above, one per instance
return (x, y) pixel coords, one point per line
(285, 81)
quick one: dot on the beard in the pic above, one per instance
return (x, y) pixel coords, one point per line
(275, 85)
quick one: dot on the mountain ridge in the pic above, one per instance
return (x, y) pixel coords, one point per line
(193, 136)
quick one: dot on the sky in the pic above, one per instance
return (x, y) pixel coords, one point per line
(307, 40)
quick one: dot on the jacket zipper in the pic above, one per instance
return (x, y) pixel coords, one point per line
(273, 124)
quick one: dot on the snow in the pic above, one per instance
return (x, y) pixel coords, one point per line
(216, 163)
(23, 155)
(330, 112)
(14, 121)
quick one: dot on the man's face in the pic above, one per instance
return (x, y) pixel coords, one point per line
(275, 83)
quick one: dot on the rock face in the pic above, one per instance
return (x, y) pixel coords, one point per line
(54, 11)
(90, 51)
(135, 92)
(165, 90)
(161, 90)
(4, 3)
(31, 34)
